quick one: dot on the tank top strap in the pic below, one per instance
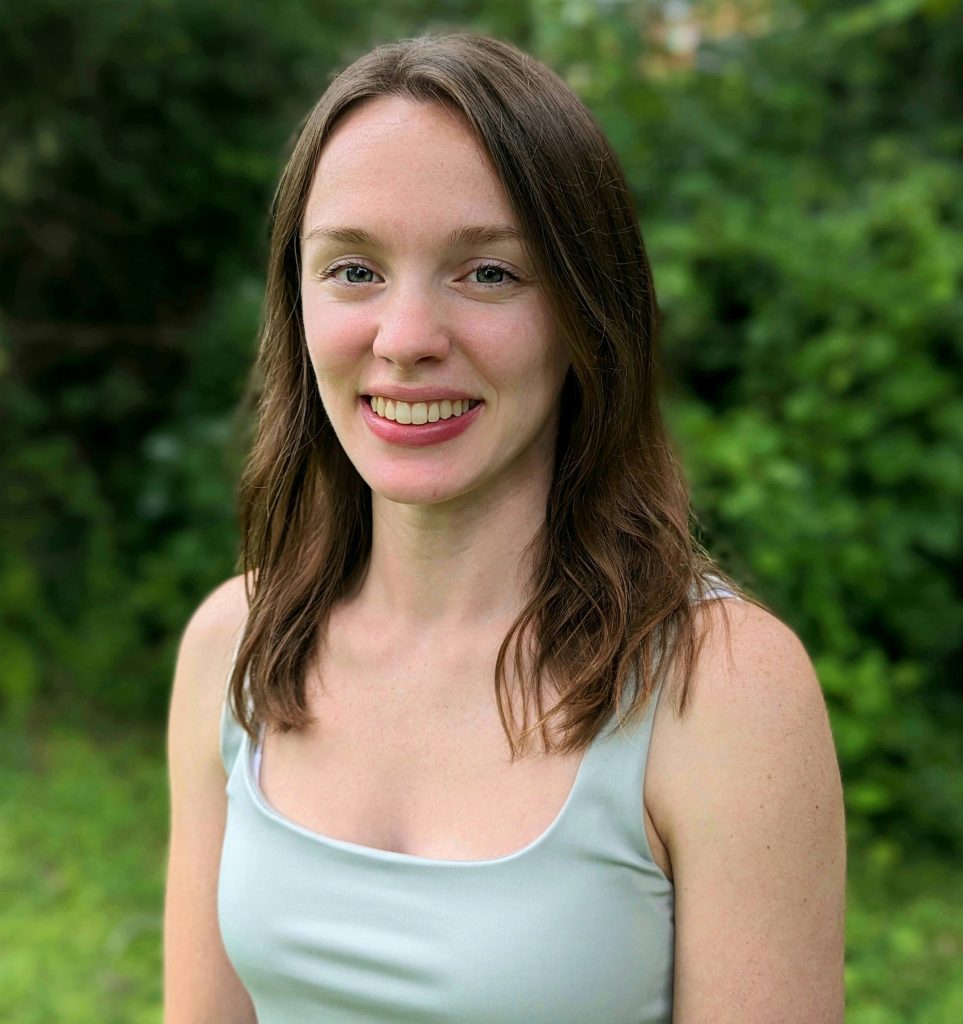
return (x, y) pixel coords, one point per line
(232, 735)
(609, 814)
(716, 589)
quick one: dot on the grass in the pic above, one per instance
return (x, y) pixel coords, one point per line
(82, 859)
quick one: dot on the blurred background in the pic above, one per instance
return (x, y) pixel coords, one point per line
(797, 169)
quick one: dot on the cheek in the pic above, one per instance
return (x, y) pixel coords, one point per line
(531, 350)
(335, 334)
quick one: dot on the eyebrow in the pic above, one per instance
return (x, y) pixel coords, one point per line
(460, 238)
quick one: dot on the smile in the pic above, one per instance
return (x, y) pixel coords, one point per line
(419, 412)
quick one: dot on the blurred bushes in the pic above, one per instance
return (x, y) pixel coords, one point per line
(798, 179)
(142, 142)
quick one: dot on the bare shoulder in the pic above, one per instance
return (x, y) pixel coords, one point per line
(203, 663)
(753, 679)
(749, 805)
(214, 627)
(750, 655)
(221, 612)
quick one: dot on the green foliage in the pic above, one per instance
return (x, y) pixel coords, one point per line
(800, 195)
(904, 937)
(799, 188)
(142, 146)
(144, 142)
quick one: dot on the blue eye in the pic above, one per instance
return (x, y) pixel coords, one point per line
(490, 275)
(489, 269)
(350, 267)
(353, 273)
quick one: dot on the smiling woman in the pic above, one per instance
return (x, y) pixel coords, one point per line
(444, 296)
(462, 503)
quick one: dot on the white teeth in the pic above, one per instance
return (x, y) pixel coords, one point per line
(419, 412)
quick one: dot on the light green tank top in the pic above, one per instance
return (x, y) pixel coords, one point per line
(577, 927)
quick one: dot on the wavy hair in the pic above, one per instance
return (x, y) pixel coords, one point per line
(616, 569)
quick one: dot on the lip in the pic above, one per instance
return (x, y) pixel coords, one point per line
(422, 394)
(418, 436)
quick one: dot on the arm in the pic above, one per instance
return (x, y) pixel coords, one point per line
(200, 985)
(756, 835)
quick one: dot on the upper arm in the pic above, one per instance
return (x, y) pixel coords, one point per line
(756, 835)
(200, 985)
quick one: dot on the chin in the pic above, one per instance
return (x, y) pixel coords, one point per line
(413, 495)
(413, 487)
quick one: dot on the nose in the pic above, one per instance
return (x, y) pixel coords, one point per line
(412, 325)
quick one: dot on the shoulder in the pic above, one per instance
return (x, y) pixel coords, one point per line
(753, 690)
(215, 625)
(222, 610)
(203, 662)
(749, 805)
(749, 655)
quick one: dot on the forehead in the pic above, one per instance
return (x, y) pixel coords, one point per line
(410, 162)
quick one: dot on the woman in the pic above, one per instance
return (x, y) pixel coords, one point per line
(452, 792)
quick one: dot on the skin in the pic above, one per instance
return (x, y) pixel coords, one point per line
(743, 794)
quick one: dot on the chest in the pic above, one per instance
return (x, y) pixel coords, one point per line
(414, 769)
(407, 753)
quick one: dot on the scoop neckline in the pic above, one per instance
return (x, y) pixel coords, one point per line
(374, 853)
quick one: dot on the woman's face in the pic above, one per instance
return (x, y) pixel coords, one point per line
(415, 283)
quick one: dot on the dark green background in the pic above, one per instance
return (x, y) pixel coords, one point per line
(798, 175)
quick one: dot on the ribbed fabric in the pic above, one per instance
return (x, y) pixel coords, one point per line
(577, 927)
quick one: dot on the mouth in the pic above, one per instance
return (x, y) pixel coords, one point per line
(418, 413)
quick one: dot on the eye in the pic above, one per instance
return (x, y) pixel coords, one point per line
(358, 272)
(493, 274)
(354, 273)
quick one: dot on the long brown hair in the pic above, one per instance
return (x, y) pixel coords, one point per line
(617, 571)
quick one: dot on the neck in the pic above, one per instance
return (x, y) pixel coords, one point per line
(452, 568)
